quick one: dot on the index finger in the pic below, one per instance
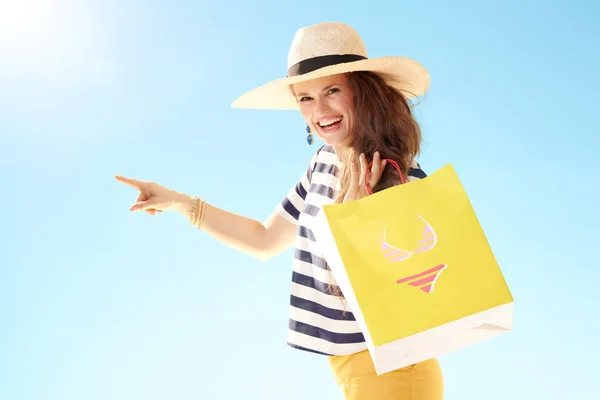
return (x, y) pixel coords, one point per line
(376, 169)
(364, 168)
(130, 181)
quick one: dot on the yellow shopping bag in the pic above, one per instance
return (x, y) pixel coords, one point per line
(416, 270)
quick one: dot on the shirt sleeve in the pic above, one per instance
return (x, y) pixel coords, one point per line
(291, 206)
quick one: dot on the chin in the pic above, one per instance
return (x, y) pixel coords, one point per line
(335, 139)
(333, 142)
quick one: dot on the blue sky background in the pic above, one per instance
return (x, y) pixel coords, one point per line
(99, 303)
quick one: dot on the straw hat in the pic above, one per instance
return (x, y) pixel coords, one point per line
(327, 49)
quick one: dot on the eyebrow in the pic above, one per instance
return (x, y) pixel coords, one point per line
(322, 90)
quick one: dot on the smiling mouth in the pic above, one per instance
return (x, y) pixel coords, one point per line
(330, 124)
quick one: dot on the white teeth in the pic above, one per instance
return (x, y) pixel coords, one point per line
(327, 122)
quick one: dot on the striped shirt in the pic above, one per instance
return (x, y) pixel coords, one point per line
(319, 322)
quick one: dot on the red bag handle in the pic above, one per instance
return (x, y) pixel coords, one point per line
(394, 163)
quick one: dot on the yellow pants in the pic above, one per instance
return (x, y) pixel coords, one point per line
(356, 375)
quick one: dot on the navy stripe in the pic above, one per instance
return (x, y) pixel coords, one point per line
(323, 168)
(295, 346)
(306, 233)
(317, 308)
(313, 283)
(323, 190)
(301, 191)
(310, 258)
(324, 334)
(290, 208)
(311, 210)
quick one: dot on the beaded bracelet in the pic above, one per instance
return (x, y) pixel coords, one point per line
(202, 208)
(197, 216)
(194, 215)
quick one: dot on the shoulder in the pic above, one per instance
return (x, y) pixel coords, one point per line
(325, 155)
(325, 152)
(327, 149)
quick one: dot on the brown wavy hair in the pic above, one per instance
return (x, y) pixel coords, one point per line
(383, 122)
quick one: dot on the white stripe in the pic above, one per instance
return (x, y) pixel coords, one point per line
(309, 218)
(313, 343)
(326, 157)
(306, 244)
(317, 273)
(317, 199)
(304, 181)
(322, 178)
(308, 221)
(326, 300)
(332, 325)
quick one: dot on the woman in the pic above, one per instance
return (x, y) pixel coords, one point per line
(358, 107)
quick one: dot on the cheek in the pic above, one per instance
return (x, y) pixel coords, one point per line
(348, 107)
(347, 103)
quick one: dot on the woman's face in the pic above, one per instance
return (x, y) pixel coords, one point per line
(327, 106)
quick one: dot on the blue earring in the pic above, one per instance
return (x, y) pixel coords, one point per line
(309, 138)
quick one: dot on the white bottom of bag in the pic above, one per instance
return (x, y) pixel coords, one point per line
(442, 339)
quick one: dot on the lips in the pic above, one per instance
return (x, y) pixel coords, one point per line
(330, 124)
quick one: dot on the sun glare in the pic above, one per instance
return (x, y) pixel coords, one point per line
(26, 25)
(57, 41)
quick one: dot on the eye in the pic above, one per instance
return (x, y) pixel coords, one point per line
(305, 98)
(333, 90)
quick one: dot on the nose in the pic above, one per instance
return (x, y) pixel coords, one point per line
(321, 108)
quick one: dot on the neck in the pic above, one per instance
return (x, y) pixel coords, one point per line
(341, 151)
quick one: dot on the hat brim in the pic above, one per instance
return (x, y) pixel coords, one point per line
(402, 73)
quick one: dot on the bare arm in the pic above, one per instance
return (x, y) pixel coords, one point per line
(260, 240)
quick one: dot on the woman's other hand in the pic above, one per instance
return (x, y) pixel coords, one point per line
(357, 189)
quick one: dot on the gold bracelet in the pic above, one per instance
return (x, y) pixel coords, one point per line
(194, 215)
(197, 211)
(202, 210)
